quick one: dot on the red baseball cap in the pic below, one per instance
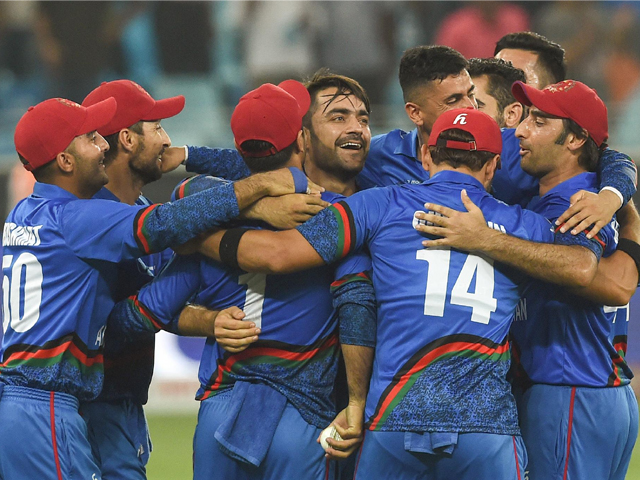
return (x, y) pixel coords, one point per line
(485, 130)
(568, 99)
(272, 114)
(134, 105)
(48, 128)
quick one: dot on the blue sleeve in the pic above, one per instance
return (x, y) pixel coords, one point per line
(346, 226)
(111, 231)
(354, 300)
(596, 244)
(617, 170)
(219, 162)
(161, 301)
(196, 184)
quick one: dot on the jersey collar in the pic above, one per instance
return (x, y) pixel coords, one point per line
(582, 181)
(460, 178)
(46, 190)
(409, 145)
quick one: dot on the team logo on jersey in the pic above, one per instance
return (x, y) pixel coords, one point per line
(100, 336)
(563, 86)
(461, 119)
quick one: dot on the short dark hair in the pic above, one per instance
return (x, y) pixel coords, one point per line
(324, 78)
(550, 54)
(474, 159)
(44, 172)
(590, 154)
(426, 63)
(112, 140)
(268, 163)
(500, 75)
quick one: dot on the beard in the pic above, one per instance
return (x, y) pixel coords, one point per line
(146, 166)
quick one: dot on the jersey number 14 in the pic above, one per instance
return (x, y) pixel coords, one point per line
(481, 300)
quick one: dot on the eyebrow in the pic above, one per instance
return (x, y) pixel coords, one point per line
(536, 112)
(346, 111)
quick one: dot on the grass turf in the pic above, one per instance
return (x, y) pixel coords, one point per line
(172, 437)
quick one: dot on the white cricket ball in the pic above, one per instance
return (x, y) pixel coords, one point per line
(330, 431)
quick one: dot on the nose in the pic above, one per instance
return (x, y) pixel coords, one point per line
(521, 129)
(471, 102)
(103, 145)
(166, 141)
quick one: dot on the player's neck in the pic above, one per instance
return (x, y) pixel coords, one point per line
(122, 182)
(563, 172)
(331, 181)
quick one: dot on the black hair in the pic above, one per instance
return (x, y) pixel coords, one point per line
(473, 159)
(500, 75)
(426, 63)
(550, 54)
(269, 162)
(112, 140)
(44, 172)
(322, 79)
(590, 153)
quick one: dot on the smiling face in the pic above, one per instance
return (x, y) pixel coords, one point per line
(538, 133)
(146, 161)
(88, 151)
(340, 134)
(439, 96)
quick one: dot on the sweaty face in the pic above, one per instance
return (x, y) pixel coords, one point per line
(538, 148)
(340, 135)
(88, 151)
(527, 62)
(455, 91)
(146, 162)
(486, 102)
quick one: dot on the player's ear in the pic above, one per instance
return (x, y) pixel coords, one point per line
(427, 161)
(301, 141)
(512, 114)
(414, 112)
(128, 139)
(66, 161)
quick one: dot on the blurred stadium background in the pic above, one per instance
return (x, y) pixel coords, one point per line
(213, 52)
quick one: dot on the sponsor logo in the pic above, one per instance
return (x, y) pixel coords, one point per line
(461, 119)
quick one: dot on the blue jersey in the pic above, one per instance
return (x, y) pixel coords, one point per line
(562, 339)
(393, 160)
(442, 350)
(297, 351)
(128, 367)
(60, 266)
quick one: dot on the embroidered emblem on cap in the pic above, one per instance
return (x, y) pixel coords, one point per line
(563, 86)
(68, 103)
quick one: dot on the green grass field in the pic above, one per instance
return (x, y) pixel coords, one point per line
(172, 437)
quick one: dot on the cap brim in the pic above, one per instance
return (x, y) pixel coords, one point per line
(98, 115)
(299, 92)
(531, 96)
(165, 108)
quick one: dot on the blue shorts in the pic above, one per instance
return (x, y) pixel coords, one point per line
(477, 456)
(119, 438)
(35, 447)
(576, 433)
(293, 453)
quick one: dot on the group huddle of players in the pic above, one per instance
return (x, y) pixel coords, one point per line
(468, 320)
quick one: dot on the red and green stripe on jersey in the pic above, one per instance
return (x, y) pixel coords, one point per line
(346, 229)
(619, 376)
(152, 322)
(351, 278)
(70, 349)
(140, 232)
(461, 345)
(291, 357)
(183, 189)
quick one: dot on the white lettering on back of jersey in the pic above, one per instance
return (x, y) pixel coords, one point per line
(18, 235)
(520, 314)
(495, 226)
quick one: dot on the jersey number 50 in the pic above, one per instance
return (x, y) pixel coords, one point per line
(22, 292)
(481, 300)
